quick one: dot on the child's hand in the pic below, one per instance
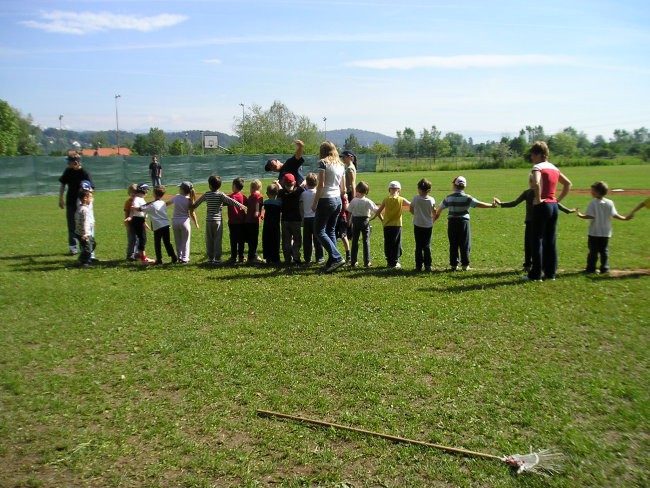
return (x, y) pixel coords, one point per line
(496, 201)
(573, 210)
(629, 216)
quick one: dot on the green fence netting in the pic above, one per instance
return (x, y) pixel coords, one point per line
(39, 175)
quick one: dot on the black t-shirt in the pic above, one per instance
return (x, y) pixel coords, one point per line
(73, 178)
(291, 204)
(155, 169)
(292, 165)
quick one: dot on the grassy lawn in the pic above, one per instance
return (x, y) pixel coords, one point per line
(127, 375)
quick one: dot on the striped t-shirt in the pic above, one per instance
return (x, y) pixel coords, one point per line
(214, 201)
(458, 205)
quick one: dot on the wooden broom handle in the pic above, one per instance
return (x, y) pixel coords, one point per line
(266, 413)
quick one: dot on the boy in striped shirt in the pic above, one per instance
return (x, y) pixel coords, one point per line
(215, 200)
(458, 228)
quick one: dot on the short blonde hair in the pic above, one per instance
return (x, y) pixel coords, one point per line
(256, 185)
(312, 180)
(541, 148)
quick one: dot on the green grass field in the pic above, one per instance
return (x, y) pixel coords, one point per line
(127, 375)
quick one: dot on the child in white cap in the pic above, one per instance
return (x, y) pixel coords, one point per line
(392, 208)
(458, 229)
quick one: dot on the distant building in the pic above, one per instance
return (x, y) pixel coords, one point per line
(102, 151)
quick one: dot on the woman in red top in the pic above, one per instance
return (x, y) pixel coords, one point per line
(545, 177)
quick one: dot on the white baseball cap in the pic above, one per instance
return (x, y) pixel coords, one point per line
(395, 184)
(460, 181)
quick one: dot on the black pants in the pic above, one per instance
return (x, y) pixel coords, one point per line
(309, 240)
(459, 233)
(598, 245)
(422, 246)
(162, 235)
(271, 241)
(252, 230)
(140, 231)
(392, 244)
(237, 241)
(360, 227)
(86, 249)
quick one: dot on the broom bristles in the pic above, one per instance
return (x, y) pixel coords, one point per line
(546, 462)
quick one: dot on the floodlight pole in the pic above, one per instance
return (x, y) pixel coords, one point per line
(117, 126)
(325, 130)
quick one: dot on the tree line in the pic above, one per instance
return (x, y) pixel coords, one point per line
(273, 130)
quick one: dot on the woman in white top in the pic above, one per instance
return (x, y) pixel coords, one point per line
(328, 202)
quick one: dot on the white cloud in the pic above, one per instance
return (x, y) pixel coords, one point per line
(87, 22)
(462, 62)
(212, 61)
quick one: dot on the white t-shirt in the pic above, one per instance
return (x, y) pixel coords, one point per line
(422, 210)
(333, 174)
(602, 210)
(306, 199)
(362, 207)
(157, 213)
(137, 202)
(181, 207)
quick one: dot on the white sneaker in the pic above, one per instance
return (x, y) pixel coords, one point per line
(467, 268)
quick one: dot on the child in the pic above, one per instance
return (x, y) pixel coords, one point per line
(600, 211)
(458, 228)
(131, 245)
(83, 228)
(213, 229)
(360, 209)
(342, 226)
(528, 196)
(423, 208)
(236, 222)
(309, 240)
(254, 205)
(289, 195)
(271, 228)
(137, 221)
(392, 220)
(157, 212)
(351, 164)
(87, 185)
(183, 212)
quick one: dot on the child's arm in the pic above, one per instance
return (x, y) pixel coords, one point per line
(379, 210)
(513, 203)
(566, 210)
(486, 205)
(583, 216)
(621, 217)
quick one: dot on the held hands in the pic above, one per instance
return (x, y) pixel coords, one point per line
(496, 202)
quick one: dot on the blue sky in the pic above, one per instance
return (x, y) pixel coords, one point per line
(484, 69)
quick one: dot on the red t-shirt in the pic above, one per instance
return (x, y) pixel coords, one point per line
(254, 204)
(550, 175)
(236, 216)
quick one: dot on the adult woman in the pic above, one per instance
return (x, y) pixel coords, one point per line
(545, 177)
(328, 202)
(350, 164)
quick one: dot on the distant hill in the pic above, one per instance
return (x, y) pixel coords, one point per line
(365, 138)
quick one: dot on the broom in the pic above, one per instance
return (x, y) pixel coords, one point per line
(544, 462)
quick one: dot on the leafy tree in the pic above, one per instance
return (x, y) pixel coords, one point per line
(274, 130)
(99, 140)
(406, 144)
(563, 144)
(141, 145)
(456, 143)
(352, 143)
(379, 149)
(501, 153)
(176, 148)
(535, 133)
(157, 142)
(9, 130)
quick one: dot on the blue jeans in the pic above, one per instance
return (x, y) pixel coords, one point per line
(543, 242)
(327, 214)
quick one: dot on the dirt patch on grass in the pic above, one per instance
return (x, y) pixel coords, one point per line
(617, 273)
(617, 191)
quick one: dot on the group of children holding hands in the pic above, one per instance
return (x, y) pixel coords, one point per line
(287, 219)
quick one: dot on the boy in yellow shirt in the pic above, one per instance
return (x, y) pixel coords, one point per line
(392, 208)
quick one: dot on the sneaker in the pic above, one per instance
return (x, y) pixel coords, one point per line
(86, 266)
(335, 265)
(257, 260)
(320, 260)
(73, 251)
(368, 264)
(94, 260)
(148, 260)
(428, 269)
(217, 261)
(354, 265)
(467, 268)
(527, 278)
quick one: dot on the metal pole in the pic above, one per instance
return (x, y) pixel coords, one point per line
(117, 126)
(325, 131)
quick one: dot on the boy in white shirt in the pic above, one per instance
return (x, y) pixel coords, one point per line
(423, 208)
(600, 211)
(361, 209)
(157, 212)
(309, 240)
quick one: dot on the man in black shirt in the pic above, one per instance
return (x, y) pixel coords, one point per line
(72, 177)
(291, 166)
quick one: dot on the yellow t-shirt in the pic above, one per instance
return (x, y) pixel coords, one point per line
(393, 211)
